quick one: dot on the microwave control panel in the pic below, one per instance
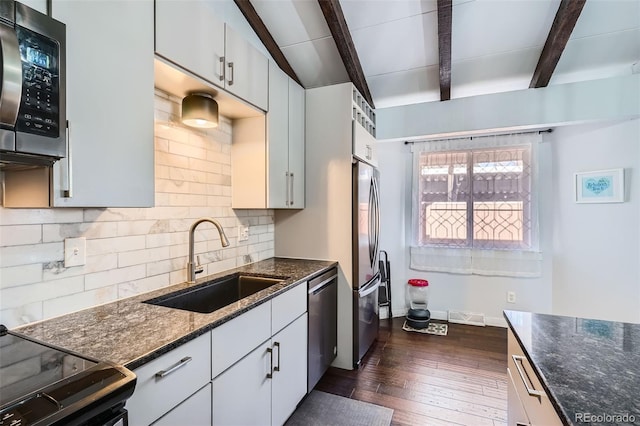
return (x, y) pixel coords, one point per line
(39, 106)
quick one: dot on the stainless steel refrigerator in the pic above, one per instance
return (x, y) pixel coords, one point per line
(366, 275)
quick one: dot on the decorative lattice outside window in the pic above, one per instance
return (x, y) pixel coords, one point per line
(476, 198)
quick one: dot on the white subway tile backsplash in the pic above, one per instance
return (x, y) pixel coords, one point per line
(187, 150)
(139, 257)
(115, 245)
(58, 232)
(14, 297)
(115, 215)
(143, 285)
(132, 250)
(13, 317)
(114, 276)
(158, 240)
(39, 216)
(86, 299)
(32, 253)
(167, 159)
(14, 235)
(18, 275)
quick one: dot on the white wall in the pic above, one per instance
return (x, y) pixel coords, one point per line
(596, 247)
(131, 251)
(575, 240)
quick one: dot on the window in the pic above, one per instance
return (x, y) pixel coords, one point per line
(475, 206)
(478, 198)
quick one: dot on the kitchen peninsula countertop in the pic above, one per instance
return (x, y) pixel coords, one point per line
(132, 333)
(588, 367)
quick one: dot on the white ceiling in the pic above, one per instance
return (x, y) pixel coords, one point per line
(495, 44)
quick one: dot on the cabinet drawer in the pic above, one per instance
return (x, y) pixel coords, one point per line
(287, 307)
(196, 410)
(536, 402)
(236, 338)
(185, 370)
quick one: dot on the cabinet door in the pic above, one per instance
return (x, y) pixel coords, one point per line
(189, 34)
(242, 394)
(196, 410)
(290, 380)
(364, 145)
(110, 98)
(247, 70)
(296, 143)
(278, 138)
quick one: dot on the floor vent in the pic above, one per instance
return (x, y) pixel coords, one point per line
(469, 318)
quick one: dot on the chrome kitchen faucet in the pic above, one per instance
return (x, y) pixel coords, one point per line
(192, 267)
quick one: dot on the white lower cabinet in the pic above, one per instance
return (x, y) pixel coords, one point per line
(271, 379)
(167, 381)
(528, 402)
(289, 383)
(251, 370)
(195, 411)
(242, 394)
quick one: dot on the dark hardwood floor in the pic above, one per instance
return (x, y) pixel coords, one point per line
(458, 379)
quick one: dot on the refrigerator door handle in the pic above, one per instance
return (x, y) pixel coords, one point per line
(367, 290)
(371, 220)
(376, 208)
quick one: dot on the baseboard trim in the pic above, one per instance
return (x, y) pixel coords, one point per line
(443, 315)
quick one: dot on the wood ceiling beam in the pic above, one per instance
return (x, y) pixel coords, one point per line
(563, 24)
(265, 37)
(444, 47)
(340, 31)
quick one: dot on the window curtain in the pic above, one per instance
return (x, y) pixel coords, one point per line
(514, 263)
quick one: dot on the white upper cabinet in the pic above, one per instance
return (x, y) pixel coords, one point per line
(296, 144)
(285, 141)
(189, 34)
(278, 138)
(247, 70)
(268, 170)
(110, 101)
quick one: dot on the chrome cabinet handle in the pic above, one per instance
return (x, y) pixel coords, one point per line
(368, 155)
(291, 189)
(221, 68)
(286, 189)
(11, 73)
(68, 193)
(270, 373)
(164, 373)
(522, 373)
(277, 345)
(230, 65)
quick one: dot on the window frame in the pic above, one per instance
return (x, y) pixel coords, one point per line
(528, 213)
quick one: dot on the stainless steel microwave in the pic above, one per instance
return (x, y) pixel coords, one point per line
(32, 91)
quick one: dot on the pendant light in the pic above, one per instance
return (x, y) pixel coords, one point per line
(200, 110)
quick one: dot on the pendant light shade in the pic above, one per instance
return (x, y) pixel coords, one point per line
(200, 110)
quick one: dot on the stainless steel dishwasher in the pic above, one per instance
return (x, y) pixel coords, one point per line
(323, 325)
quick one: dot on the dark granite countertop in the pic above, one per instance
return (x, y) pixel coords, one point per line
(132, 333)
(588, 367)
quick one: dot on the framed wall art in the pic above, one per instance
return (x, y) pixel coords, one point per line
(602, 186)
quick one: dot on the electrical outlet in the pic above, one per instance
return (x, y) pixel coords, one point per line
(75, 251)
(243, 233)
(511, 297)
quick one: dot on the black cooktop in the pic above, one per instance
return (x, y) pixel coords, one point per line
(45, 385)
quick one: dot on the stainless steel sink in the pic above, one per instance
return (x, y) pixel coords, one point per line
(216, 294)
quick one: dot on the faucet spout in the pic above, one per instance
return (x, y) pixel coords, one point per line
(192, 267)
